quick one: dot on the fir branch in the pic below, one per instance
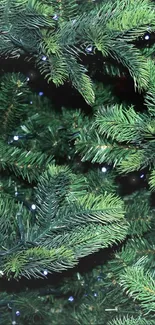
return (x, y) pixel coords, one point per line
(14, 91)
(139, 285)
(98, 149)
(99, 183)
(137, 252)
(152, 180)
(119, 123)
(32, 262)
(126, 320)
(139, 215)
(135, 161)
(54, 69)
(149, 97)
(57, 187)
(26, 164)
(68, 9)
(33, 22)
(130, 15)
(85, 239)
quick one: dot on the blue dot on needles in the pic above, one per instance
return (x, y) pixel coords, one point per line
(17, 313)
(71, 298)
(41, 93)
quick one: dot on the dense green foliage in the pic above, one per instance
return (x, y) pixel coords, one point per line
(53, 213)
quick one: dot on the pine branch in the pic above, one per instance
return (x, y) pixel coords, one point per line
(96, 148)
(74, 36)
(149, 97)
(139, 285)
(130, 321)
(99, 183)
(139, 215)
(120, 124)
(23, 163)
(152, 180)
(57, 188)
(70, 224)
(136, 160)
(14, 91)
(68, 249)
(131, 22)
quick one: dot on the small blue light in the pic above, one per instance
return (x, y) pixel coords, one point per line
(104, 169)
(71, 298)
(74, 21)
(17, 313)
(89, 49)
(99, 278)
(45, 272)
(142, 176)
(55, 17)
(41, 93)
(44, 58)
(33, 206)
(95, 294)
(16, 138)
(147, 37)
(31, 102)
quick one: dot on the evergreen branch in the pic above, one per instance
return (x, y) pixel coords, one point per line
(145, 251)
(99, 183)
(32, 262)
(8, 222)
(93, 237)
(90, 208)
(15, 221)
(97, 149)
(51, 43)
(104, 209)
(112, 70)
(84, 239)
(23, 163)
(136, 252)
(68, 9)
(147, 130)
(59, 68)
(72, 246)
(37, 308)
(13, 218)
(140, 286)
(125, 125)
(13, 104)
(130, 15)
(139, 215)
(135, 161)
(149, 100)
(152, 180)
(126, 320)
(57, 187)
(131, 58)
(118, 123)
(33, 22)
(149, 97)
(27, 15)
(54, 69)
(64, 9)
(48, 10)
(62, 200)
(148, 51)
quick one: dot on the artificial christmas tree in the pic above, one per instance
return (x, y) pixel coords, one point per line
(75, 248)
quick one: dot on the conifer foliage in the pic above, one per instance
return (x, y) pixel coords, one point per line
(56, 214)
